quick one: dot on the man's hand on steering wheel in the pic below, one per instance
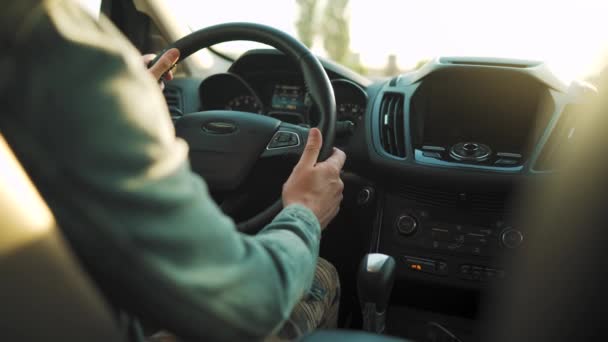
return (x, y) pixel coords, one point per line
(316, 185)
(162, 69)
(236, 140)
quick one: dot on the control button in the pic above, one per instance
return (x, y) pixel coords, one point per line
(423, 214)
(420, 265)
(506, 162)
(509, 155)
(459, 228)
(442, 268)
(490, 274)
(512, 238)
(437, 245)
(365, 195)
(440, 234)
(406, 225)
(484, 231)
(485, 251)
(465, 270)
(454, 247)
(435, 155)
(476, 272)
(474, 239)
(433, 148)
(479, 273)
(459, 239)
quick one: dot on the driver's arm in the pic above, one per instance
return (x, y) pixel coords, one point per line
(100, 117)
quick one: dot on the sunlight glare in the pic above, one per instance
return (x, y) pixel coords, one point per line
(569, 36)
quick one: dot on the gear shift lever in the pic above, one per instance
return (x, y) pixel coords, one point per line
(374, 284)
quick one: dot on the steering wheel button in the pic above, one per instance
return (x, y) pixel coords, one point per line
(439, 234)
(283, 139)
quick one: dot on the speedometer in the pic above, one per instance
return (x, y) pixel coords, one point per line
(245, 103)
(351, 102)
(351, 112)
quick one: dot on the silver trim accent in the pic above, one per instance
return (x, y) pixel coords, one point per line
(290, 146)
(503, 236)
(375, 261)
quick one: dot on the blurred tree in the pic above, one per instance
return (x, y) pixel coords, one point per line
(336, 31)
(306, 22)
(391, 68)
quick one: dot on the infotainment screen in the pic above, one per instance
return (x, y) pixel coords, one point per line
(290, 98)
(505, 111)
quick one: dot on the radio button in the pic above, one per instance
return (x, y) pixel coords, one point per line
(420, 265)
(512, 238)
(406, 225)
(465, 271)
(476, 239)
(440, 234)
(476, 273)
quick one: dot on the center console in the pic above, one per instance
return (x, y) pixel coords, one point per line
(452, 140)
(447, 237)
(483, 120)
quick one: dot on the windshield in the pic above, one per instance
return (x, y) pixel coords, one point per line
(387, 37)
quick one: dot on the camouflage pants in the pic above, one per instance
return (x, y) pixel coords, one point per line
(318, 309)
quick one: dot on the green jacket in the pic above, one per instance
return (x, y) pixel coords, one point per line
(106, 155)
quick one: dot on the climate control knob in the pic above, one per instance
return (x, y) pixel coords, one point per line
(406, 225)
(512, 238)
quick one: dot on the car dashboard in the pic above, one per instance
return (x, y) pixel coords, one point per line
(279, 92)
(439, 153)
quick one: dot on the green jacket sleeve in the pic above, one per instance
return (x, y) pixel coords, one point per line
(103, 118)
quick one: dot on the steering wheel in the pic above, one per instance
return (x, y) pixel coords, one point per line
(225, 145)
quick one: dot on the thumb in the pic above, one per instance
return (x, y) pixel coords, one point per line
(164, 63)
(313, 147)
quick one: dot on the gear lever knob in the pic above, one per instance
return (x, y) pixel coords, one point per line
(374, 285)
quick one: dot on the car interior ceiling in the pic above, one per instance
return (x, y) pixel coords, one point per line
(490, 242)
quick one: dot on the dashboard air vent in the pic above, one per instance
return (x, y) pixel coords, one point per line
(173, 97)
(392, 124)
